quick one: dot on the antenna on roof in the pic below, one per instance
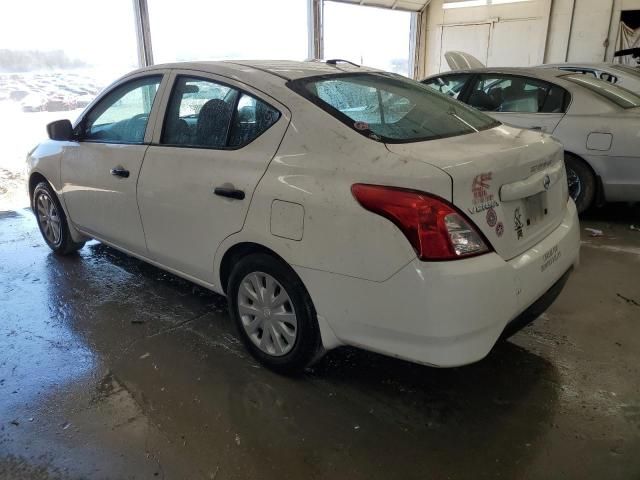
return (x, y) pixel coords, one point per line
(334, 61)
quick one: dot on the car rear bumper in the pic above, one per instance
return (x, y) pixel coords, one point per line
(537, 308)
(446, 313)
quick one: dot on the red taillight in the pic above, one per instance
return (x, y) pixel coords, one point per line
(435, 228)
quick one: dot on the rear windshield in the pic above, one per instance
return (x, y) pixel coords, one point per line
(391, 109)
(618, 95)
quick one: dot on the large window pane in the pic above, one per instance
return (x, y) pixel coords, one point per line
(368, 36)
(51, 67)
(241, 29)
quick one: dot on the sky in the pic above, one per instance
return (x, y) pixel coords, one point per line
(97, 32)
(210, 30)
(367, 35)
(102, 32)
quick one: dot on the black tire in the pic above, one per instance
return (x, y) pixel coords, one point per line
(61, 244)
(582, 183)
(307, 344)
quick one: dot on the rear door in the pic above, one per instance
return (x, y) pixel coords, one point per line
(214, 144)
(519, 101)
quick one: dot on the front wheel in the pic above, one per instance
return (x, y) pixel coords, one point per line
(581, 181)
(273, 313)
(52, 220)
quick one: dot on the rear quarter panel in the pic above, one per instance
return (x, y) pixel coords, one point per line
(317, 163)
(574, 130)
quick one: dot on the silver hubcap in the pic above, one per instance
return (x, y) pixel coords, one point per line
(267, 314)
(575, 186)
(48, 218)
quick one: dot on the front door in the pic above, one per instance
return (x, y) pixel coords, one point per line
(100, 172)
(519, 101)
(198, 177)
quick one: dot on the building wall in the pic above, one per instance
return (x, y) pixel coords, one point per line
(437, 17)
(593, 32)
(578, 30)
(618, 7)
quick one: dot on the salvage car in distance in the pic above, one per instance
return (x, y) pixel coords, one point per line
(333, 205)
(597, 122)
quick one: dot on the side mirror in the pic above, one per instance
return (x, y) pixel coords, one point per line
(60, 130)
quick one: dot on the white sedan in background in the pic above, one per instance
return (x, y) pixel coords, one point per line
(622, 75)
(331, 204)
(597, 122)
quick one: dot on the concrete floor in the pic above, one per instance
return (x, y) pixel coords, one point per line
(110, 368)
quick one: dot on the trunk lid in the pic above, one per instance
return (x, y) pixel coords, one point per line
(462, 61)
(510, 183)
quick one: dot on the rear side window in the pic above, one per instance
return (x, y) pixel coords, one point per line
(203, 113)
(608, 77)
(633, 71)
(579, 70)
(252, 117)
(506, 93)
(620, 96)
(389, 108)
(451, 85)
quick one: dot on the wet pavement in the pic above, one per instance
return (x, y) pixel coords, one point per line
(111, 368)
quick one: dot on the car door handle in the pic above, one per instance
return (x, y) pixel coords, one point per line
(229, 192)
(540, 129)
(120, 172)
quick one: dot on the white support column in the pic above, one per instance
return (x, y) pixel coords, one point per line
(315, 44)
(418, 48)
(143, 33)
(413, 45)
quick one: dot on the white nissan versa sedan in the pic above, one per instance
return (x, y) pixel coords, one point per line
(331, 204)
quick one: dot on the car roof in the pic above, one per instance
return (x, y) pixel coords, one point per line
(596, 65)
(285, 69)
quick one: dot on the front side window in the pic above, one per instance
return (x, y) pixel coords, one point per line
(620, 96)
(203, 113)
(451, 85)
(391, 109)
(122, 116)
(506, 93)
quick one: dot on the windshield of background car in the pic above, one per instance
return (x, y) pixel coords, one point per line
(618, 95)
(391, 109)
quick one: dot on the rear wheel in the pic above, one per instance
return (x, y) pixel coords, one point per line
(273, 313)
(52, 220)
(581, 181)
